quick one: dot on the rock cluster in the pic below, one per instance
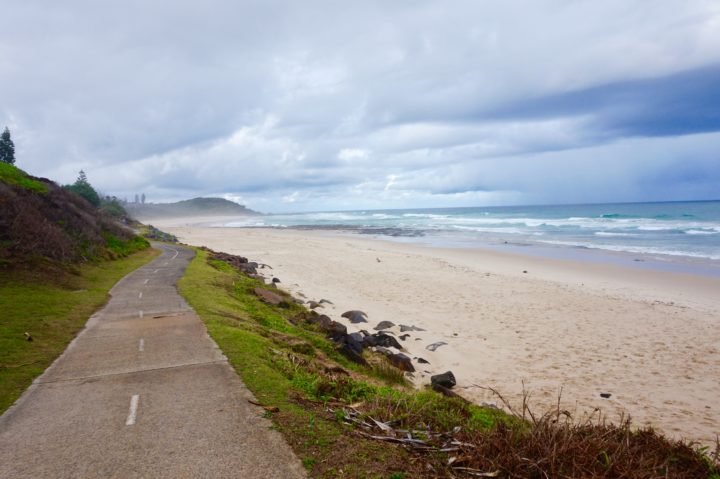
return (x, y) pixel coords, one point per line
(351, 345)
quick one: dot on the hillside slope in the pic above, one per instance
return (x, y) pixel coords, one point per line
(193, 207)
(41, 223)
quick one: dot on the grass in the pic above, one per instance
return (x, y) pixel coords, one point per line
(15, 176)
(120, 248)
(345, 420)
(52, 310)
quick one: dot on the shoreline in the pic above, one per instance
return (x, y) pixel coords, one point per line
(648, 338)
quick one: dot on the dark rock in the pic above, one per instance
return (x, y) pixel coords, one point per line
(275, 280)
(525, 271)
(404, 336)
(337, 331)
(325, 301)
(358, 337)
(347, 351)
(434, 346)
(423, 361)
(269, 297)
(605, 395)
(382, 339)
(353, 343)
(355, 316)
(370, 340)
(446, 379)
(384, 325)
(314, 304)
(404, 328)
(248, 268)
(383, 350)
(401, 362)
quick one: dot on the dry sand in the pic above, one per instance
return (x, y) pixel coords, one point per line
(651, 339)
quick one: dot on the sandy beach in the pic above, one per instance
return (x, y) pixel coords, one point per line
(650, 339)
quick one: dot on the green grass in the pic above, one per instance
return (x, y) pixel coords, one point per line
(122, 248)
(15, 176)
(52, 310)
(284, 365)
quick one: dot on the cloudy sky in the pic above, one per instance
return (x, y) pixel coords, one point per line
(327, 105)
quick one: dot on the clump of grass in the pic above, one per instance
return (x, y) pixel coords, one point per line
(120, 247)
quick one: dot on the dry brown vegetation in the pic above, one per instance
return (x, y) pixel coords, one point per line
(549, 446)
(52, 226)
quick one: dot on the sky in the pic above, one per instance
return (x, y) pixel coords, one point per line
(328, 105)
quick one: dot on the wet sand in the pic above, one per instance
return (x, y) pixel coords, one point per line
(650, 339)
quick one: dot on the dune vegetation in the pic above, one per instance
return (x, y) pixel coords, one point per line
(351, 420)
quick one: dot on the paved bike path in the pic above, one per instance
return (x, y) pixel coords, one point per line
(143, 391)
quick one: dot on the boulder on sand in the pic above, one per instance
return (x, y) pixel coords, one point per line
(382, 339)
(446, 380)
(355, 316)
(384, 325)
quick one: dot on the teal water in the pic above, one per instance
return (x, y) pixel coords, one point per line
(673, 229)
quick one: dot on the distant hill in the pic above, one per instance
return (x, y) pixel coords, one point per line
(44, 224)
(189, 208)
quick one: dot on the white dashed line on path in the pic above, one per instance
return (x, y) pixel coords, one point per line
(140, 295)
(133, 410)
(140, 313)
(156, 271)
(176, 254)
(146, 281)
(141, 345)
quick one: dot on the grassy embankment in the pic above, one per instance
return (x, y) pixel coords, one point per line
(327, 407)
(53, 307)
(14, 176)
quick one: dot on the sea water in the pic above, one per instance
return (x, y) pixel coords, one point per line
(689, 230)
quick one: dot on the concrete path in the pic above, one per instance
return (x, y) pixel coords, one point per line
(142, 392)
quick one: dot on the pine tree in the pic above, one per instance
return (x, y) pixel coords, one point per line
(7, 148)
(82, 187)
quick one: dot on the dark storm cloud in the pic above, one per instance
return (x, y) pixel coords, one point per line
(683, 103)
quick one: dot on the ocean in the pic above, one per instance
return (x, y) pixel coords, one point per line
(668, 231)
